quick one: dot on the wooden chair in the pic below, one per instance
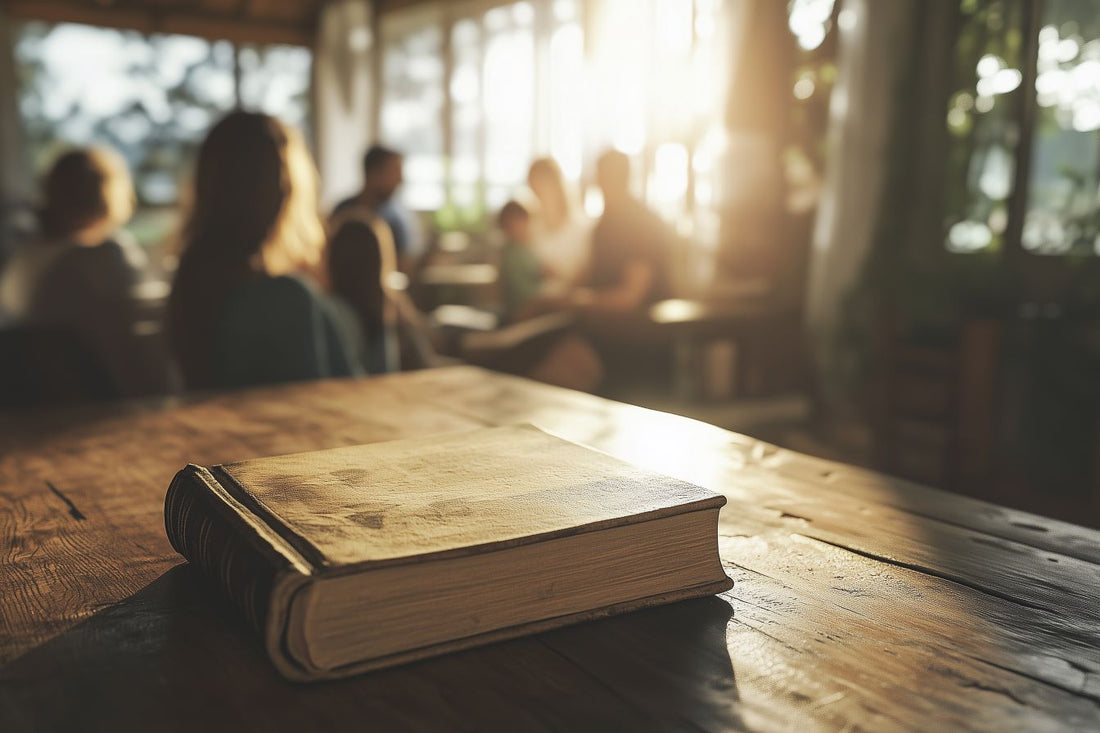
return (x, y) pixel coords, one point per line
(933, 406)
(44, 366)
(766, 339)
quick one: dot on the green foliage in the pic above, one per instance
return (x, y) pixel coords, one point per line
(153, 99)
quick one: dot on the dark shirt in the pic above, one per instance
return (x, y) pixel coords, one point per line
(356, 259)
(281, 329)
(629, 232)
(90, 292)
(396, 219)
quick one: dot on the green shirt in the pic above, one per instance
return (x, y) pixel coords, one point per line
(520, 276)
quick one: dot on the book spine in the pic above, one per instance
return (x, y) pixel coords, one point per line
(211, 534)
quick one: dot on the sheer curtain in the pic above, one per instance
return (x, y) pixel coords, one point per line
(876, 45)
(342, 91)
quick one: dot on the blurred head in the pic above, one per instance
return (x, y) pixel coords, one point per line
(382, 172)
(514, 220)
(254, 200)
(360, 258)
(87, 194)
(253, 209)
(546, 181)
(613, 175)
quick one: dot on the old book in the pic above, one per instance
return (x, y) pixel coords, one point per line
(358, 558)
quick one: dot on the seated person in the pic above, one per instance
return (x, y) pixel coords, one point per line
(627, 272)
(382, 176)
(561, 233)
(81, 274)
(628, 261)
(360, 259)
(631, 247)
(520, 271)
(244, 308)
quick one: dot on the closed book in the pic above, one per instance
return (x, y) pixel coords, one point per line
(359, 558)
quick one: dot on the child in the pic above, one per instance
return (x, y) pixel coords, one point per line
(520, 272)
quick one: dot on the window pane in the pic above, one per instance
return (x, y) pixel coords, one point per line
(1064, 185)
(151, 98)
(412, 104)
(466, 121)
(275, 80)
(509, 69)
(982, 124)
(567, 96)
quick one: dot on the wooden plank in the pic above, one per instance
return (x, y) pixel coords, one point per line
(98, 646)
(819, 476)
(169, 658)
(1055, 647)
(852, 669)
(681, 674)
(297, 30)
(847, 611)
(121, 544)
(718, 458)
(1030, 577)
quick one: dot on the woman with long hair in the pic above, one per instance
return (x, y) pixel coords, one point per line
(361, 259)
(561, 231)
(244, 307)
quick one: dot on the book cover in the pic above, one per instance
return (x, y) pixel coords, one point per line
(265, 529)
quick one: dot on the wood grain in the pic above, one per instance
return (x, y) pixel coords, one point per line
(861, 601)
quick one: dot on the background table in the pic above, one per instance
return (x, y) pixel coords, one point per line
(860, 601)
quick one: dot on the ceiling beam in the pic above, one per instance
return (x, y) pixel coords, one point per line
(152, 20)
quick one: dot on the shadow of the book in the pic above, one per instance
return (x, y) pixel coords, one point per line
(171, 656)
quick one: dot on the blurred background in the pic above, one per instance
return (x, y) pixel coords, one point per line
(883, 215)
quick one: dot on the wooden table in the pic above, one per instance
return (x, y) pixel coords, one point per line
(752, 326)
(860, 601)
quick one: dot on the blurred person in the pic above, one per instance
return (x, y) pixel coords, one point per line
(626, 273)
(520, 271)
(245, 308)
(361, 259)
(631, 246)
(627, 266)
(382, 176)
(81, 274)
(561, 231)
(537, 342)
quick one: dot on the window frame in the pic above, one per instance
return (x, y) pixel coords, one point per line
(1026, 114)
(446, 15)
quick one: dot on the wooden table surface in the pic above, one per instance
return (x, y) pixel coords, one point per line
(861, 602)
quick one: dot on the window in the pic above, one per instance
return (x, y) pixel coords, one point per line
(412, 103)
(151, 97)
(658, 71)
(1024, 128)
(565, 103)
(473, 91)
(983, 124)
(466, 193)
(1063, 188)
(815, 25)
(276, 79)
(508, 73)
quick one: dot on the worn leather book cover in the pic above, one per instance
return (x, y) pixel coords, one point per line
(271, 532)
